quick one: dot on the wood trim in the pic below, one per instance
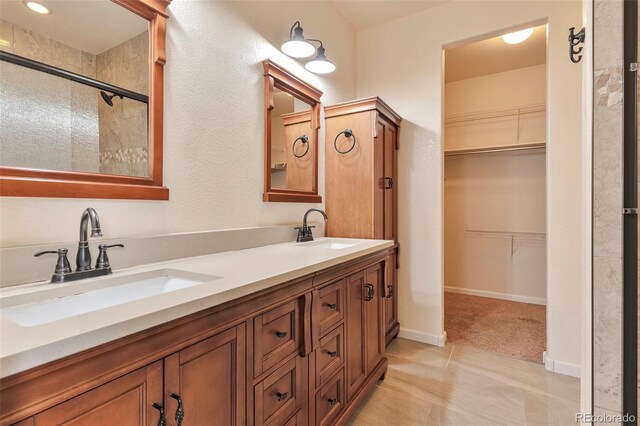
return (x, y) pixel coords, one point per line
(25, 182)
(34, 187)
(277, 77)
(360, 105)
(296, 117)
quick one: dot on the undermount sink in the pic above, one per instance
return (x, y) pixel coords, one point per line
(331, 243)
(83, 297)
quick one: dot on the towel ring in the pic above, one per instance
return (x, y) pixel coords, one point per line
(305, 140)
(349, 134)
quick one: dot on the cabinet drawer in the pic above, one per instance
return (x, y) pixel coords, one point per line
(331, 305)
(330, 400)
(281, 394)
(329, 355)
(276, 336)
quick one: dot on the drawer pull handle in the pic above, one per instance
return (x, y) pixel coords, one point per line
(162, 421)
(389, 291)
(333, 401)
(333, 354)
(281, 334)
(179, 410)
(282, 395)
(332, 305)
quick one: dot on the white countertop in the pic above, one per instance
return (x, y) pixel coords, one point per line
(242, 272)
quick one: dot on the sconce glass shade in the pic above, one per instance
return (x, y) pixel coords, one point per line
(320, 64)
(297, 46)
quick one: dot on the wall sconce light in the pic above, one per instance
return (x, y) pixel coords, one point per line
(299, 47)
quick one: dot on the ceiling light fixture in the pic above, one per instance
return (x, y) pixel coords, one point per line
(320, 64)
(37, 7)
(297, 46)
(518, 36)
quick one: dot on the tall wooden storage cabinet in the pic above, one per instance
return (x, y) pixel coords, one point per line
(361, 170)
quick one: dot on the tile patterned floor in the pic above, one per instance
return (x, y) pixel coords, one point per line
(454, 385)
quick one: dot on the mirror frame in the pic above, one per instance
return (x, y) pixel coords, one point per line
(277, 77)
(25, 182)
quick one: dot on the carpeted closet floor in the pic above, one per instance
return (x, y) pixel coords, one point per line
(510, 328)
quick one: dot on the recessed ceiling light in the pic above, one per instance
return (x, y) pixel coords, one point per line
(518, 36)
(37, 7)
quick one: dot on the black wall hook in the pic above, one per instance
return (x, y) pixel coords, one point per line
(574, 41)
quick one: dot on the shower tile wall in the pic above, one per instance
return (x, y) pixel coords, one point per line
(76, 134)
(607, 207)
(123, 127)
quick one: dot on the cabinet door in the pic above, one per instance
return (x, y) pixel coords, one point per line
(126, 401)
(355, 341)
(390, 182)
(374, 318)
(209, 377)
(391, 301)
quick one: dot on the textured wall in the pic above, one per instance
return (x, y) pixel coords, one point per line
(607, 205)
(213, 142)
(406, 71)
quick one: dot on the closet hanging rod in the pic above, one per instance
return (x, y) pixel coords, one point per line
(495, 149)
(487, 115)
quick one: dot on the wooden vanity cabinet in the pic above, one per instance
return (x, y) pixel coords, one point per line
(361, 174)
(305, 352)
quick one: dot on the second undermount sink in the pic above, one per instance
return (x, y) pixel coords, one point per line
(331, 243)
(83, 297)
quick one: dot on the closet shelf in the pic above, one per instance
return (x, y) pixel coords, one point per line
(496, 148)
(517, 238)
(498, 113)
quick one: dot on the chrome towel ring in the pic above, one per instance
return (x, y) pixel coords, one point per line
(305, 140)
(348, 133)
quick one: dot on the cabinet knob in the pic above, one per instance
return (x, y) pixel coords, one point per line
(332, 354)
(179, 410)
(389, 291)
(281, 334)
(280, 396)
(162, 421)
(333, 401)
(332, 305)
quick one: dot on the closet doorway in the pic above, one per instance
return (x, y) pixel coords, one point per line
(495, 194)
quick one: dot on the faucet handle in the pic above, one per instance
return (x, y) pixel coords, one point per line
(62, 265)
(103, 259)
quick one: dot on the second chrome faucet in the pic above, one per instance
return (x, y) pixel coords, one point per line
(304, 232)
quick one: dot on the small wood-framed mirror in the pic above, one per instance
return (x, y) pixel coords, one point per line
(291, 123)
(82, 99)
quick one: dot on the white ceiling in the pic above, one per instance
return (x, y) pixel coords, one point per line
(363, 14)
(93, 26)
(494, 55)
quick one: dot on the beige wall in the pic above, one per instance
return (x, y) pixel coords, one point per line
(213, 125)
(501, 192)
(406, 71)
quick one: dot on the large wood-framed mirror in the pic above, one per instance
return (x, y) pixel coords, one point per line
(81, 99)
(291, 123)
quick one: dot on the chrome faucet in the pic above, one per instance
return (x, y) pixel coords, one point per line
(83, 258)
(63, 272)
(304, 231)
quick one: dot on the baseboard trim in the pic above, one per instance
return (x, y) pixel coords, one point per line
(560, 367)
(495, 295)
(422, 337)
